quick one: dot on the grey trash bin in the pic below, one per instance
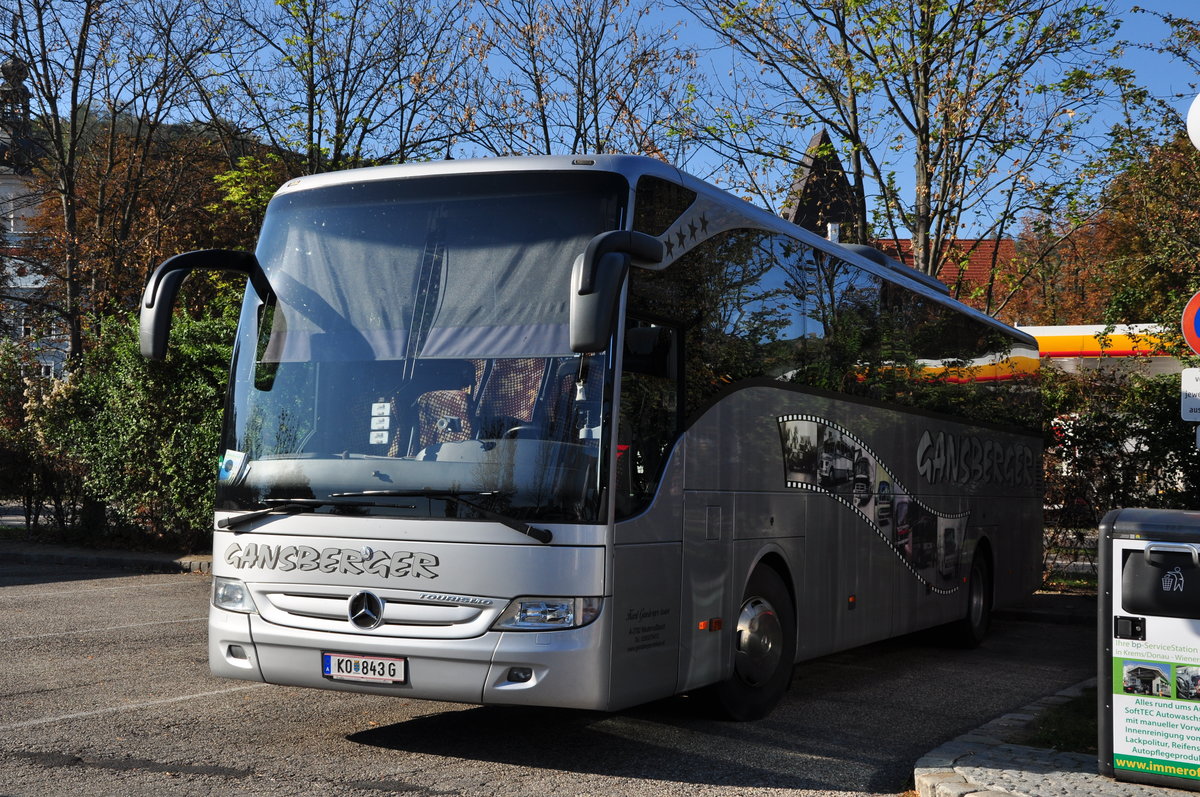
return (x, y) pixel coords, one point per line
(1148, 669)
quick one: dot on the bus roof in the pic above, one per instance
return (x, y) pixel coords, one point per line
(633, 167)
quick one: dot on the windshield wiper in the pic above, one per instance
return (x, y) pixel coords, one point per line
(541, 535)
(293, 506)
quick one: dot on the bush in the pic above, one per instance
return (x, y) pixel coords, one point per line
(146, 433)
(47, 484)
(1114, 439)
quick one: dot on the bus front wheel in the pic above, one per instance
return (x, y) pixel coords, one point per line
(764, 650)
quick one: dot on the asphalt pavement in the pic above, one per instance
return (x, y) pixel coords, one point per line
(985, 762)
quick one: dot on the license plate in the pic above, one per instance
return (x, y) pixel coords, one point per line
(373, 669)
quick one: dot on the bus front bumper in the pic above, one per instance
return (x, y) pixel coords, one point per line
(564, 668)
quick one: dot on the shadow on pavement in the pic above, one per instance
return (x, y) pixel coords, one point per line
(654, 742)
(34, 563)
(852, 721)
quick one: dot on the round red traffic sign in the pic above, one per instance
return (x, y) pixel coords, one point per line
(1191, 323)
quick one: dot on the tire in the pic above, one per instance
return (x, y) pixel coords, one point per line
(973, 627)
(764, 651)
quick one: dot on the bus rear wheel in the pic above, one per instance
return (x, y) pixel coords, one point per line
(764, 650)
(973, 627)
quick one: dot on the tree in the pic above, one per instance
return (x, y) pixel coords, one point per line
(1130, 258)
(105, 78)
(24, 470)
(1126, 252)
(1152, 224)
(245, 192)
(984, 103)
(1058, 274)
(586, 76)
(140, 200)
(1116, 439)
(331, 84)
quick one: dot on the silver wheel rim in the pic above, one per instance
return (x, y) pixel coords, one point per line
(759, 642)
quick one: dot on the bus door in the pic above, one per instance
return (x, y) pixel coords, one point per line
(708, 611)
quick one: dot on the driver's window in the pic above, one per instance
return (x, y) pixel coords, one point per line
(649, 420)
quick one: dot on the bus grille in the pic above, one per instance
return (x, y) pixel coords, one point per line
(407, 614)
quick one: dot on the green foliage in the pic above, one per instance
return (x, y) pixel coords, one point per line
(15, 362)
(247, 189)
(19, 469)
(46, 482)
(1115, 439)
(146, 432)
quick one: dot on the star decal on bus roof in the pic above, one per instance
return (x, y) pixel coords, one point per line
(691, 230)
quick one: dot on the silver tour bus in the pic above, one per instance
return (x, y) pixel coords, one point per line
(588, 432)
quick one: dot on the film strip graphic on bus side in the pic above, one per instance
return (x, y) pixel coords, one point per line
(825, 458)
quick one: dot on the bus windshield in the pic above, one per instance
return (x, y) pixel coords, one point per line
(415, 339)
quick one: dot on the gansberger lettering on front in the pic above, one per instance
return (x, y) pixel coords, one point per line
(285, 558)
(969, 459)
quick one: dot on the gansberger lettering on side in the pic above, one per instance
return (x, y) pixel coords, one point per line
(285, 558)
(963, 459)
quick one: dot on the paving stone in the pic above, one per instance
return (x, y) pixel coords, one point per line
(950, 788)
(982, 763)
(928, 784)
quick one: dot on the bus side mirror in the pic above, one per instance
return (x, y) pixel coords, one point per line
(596, 279)
(158, 299)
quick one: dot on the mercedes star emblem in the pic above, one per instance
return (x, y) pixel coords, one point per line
(366, 610)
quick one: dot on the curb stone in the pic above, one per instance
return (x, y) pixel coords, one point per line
(141, 563)
(985, 763)
(937, 774)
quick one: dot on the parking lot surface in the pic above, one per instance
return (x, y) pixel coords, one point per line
(107, 691)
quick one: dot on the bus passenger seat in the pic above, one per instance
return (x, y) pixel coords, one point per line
(509, 395)
(432, 405)
(444, 417)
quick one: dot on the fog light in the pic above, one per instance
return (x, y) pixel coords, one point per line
(237, 652)
(520, 675)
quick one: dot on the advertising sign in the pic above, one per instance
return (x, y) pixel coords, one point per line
(1150, 647)
(1156, 679)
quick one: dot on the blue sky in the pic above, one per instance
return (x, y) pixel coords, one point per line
(1166, 78)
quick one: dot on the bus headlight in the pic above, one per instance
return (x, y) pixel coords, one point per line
(232, 595)
(548, 614)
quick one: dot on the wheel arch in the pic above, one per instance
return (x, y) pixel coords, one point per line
(757, 680)
(774, 558)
